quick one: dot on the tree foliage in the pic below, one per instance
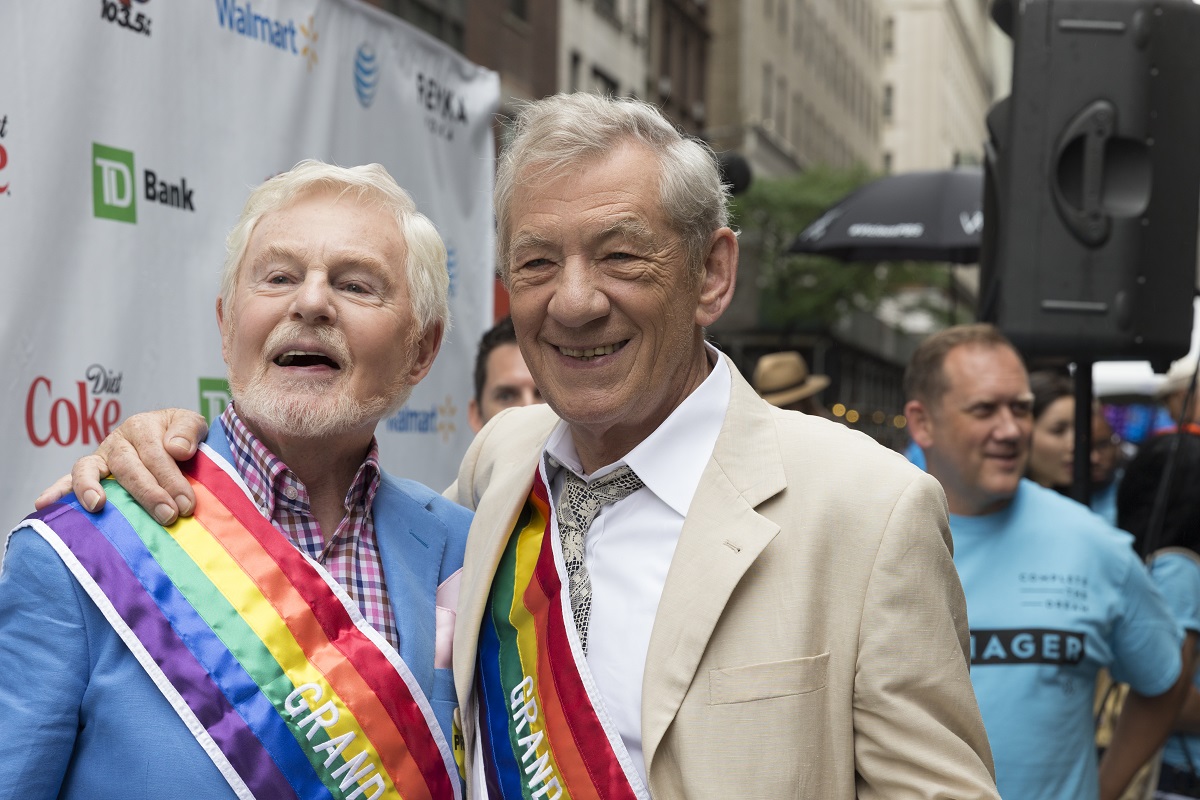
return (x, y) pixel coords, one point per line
(811, 292)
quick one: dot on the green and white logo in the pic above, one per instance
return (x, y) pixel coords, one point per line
(113, 194)
(214, 396)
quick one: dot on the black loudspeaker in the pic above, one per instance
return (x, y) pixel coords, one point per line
(1092, 180)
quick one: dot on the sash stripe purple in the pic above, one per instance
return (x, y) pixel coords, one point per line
(138, 609)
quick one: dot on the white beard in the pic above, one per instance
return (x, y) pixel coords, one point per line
(304, 408)
(308, 414)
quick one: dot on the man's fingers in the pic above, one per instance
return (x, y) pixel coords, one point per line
(85, 481)
(138, 460)
(53, 493)
(185, 431)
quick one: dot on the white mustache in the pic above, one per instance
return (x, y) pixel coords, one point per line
(331, 340)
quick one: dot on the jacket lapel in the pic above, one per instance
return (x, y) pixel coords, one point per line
(412, 541)
(722, 536)
(508, 482)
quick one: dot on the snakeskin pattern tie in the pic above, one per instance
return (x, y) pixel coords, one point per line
(577, 507)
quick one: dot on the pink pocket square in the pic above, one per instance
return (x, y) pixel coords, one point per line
(447, 603)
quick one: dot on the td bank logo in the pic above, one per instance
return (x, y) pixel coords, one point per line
(113, 195)
(214, 396)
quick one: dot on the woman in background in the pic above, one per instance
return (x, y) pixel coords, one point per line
(1052, 454)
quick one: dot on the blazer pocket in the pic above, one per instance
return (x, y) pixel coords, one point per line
(764, 681)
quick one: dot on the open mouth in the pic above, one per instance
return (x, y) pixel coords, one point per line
(305, 358)
(594, 352)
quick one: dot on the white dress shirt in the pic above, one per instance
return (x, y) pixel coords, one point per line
(629, 546)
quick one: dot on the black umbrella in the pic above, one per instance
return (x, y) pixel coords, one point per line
(918, 216)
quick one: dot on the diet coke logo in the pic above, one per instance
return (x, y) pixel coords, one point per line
(83, 414)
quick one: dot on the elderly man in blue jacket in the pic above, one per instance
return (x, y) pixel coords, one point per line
(123, 679)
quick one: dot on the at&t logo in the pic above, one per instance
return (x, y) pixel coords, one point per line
(366, 74)
(83, 414)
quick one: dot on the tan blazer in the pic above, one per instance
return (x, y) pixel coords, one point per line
(811, 638)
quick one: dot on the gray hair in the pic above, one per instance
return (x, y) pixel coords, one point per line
(425, 255)
(560, 133)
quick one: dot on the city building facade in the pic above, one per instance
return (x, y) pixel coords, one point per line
(793, 83)
(939, 74)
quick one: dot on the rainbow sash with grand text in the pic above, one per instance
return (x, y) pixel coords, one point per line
(541, 734)
(263, 656)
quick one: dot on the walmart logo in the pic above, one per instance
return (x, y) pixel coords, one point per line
(437, 420)
(366, 74)
(112, 184)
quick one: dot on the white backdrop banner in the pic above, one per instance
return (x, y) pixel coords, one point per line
(131, 132)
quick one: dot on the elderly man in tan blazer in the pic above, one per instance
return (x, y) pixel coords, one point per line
(773, 610)
(673, 589)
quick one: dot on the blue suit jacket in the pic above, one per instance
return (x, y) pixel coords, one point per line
(85, 721)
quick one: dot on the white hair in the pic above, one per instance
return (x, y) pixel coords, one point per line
(425, 254)
(559, 133)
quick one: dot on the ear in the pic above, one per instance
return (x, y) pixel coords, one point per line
(719, 277)
(427, 349)
(474, 417)
(224, 330)
(920, 423)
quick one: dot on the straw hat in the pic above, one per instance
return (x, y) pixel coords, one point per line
(783, 378)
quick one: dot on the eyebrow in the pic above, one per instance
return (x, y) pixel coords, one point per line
(277, 252)
(633, 230)
(529, 241)
(273, 253)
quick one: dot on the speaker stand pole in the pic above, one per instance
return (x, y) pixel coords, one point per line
(1081, 483)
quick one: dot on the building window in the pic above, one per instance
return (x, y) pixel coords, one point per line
(889, 33)
(603, 83)
(887, 102)
(887, 163)
(606, 8)
(574, 77)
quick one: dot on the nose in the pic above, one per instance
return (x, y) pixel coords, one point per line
(1008, 427)
(312, 302)
(577, 299)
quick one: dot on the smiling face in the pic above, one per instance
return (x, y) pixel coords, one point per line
(1052, 454)
(976, 435)
(319, 335)
(607, 313)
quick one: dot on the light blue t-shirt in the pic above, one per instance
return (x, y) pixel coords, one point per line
(1177, 576)
(1054, 594)
(1104, 501)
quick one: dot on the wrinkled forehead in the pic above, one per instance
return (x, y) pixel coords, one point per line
(596, 165)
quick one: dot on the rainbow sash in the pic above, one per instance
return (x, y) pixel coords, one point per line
(263, 656)
(541, 733)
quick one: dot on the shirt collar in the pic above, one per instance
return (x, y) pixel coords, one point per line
(672, 458)
(267, 477)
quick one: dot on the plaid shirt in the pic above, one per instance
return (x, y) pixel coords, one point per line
(352, 553)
